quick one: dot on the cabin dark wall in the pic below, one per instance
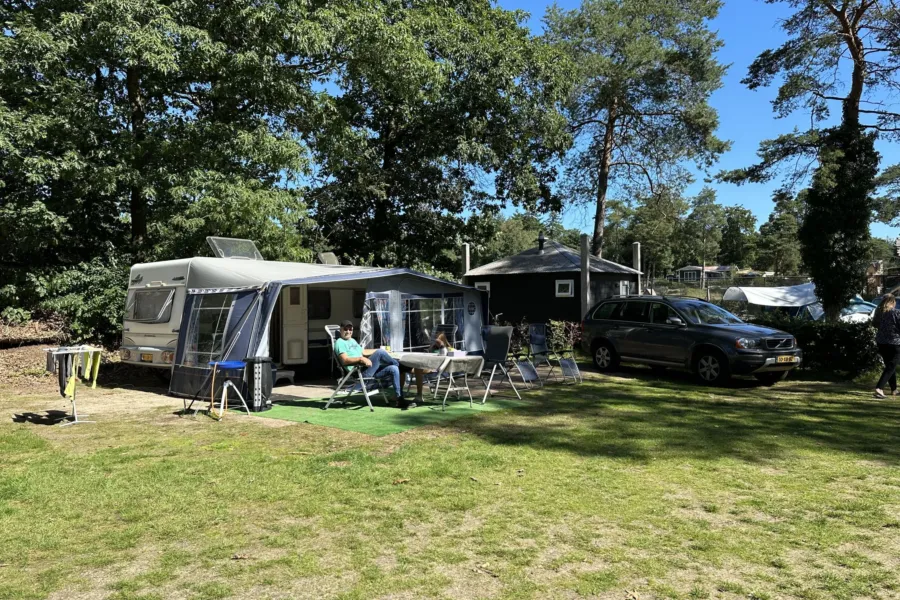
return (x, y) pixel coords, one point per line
(533, 296)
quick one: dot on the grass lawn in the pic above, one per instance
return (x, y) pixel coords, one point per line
(632, 486)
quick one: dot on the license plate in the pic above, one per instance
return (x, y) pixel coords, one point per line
(787, 359)
(146, 358)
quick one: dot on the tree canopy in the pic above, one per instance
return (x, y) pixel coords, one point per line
(639, 109)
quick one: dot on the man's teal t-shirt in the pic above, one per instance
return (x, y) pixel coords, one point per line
(349, 347)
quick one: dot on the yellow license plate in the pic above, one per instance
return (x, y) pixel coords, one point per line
(787, 359)
(146, 358)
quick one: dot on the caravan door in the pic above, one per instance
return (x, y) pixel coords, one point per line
(294, 322)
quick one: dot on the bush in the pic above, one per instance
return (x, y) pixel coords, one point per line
(848, 348)
(90, 298)
(561, 335)
(15, 316)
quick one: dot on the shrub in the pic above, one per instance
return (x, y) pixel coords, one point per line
(15, 316)
(564, 335)
(848, 348)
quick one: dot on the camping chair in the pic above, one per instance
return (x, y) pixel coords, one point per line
(351, 379)
(541, 353)
(496, 351)
(522, 363)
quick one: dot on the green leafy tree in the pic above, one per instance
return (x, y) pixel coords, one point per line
(440, 108)
(779, 242)
(703, 228)
(657, 221)
(845, 55)
(617, 231)
(739, 237)
(639, 111)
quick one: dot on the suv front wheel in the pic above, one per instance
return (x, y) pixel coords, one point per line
(711, 367)
(605, 358)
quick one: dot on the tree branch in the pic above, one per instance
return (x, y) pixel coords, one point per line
(629, 164)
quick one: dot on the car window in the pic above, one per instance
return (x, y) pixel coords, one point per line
(660, 313)
(609, 310)
(699, 312)
(637, 312)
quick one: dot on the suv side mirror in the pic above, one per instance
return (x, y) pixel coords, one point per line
(675, 321)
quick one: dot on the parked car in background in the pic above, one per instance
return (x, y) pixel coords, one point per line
(686, 333)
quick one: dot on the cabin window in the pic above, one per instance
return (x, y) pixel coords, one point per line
(319, 302)
(206, 328)
(565, 288)
(484, 286)
(150, 306)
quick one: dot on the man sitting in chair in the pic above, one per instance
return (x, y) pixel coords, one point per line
(373, 363)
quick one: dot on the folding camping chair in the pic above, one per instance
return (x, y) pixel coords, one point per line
(526, 370)
(541, 353)
(496, 353)
(351, 379)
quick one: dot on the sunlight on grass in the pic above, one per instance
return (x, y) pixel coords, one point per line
(632, 483)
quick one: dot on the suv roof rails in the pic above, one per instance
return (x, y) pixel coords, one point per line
(625, 296)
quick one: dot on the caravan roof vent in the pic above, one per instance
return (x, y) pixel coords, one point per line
(233, 248)
(328, 258)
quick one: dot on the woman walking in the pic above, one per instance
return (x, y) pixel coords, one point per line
(887, 319)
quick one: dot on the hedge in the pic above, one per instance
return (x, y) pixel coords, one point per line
(845, 348)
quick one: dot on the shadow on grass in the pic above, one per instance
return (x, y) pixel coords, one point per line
(639, 415)
(50, 417)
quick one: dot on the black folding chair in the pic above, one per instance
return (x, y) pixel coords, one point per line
(496, 352)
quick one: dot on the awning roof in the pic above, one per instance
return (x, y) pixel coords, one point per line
(794, 295)
(555, 258)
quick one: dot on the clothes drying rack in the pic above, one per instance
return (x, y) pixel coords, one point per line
(76, 350)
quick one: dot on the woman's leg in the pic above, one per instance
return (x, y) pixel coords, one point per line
(889, 355)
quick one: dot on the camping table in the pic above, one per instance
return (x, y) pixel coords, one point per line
(467, 365)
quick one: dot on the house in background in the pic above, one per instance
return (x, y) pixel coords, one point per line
(693, 273)
(544, 283)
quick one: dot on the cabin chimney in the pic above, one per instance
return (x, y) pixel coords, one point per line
(465, 261)
(541, 239)
(636, 261)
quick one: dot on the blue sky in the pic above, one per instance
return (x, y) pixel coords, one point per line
(747, 27)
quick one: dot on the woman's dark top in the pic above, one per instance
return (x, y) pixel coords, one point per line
(889, 328)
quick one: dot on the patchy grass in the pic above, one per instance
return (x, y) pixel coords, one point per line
(653, 487)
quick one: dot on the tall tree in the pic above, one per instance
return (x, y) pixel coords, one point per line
(779, 242)
(639, 111)
(440, 108)
(703, 229)
(739, 237)
(656, 224)
(843, 54)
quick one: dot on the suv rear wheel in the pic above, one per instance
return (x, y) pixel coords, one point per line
(605, 357)
(711, 366)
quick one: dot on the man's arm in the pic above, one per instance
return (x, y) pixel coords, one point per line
(356, 360)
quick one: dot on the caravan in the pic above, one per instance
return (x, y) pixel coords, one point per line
(184, 314)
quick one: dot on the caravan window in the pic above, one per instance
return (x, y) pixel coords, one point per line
(319, 302)
(206, 328)
(150, 306)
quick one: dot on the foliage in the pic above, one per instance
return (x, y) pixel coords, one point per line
(440, 108)
(779, 245)
(657, 222)
(739, 238)
(703, 227)
(15, 316)
(500, 237)
(91, 299)
(564, 335)
(830, 346)
(835, 235)
(644, 75)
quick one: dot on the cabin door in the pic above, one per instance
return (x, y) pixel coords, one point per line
(294, 319)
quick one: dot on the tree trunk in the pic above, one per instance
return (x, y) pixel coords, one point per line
(603, 180)
(138, 201)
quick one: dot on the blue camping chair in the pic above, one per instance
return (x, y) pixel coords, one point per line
(352, 379)
(540, 353)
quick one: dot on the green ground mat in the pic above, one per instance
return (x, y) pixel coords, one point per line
(385, 420)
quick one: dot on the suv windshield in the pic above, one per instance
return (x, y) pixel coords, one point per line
(703, 313)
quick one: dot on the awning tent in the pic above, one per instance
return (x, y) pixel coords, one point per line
(230, 304)
(788, 296)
